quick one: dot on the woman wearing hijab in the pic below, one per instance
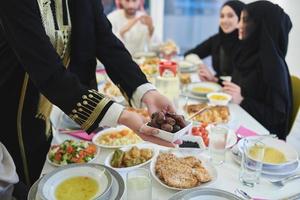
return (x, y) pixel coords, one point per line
(261, 80)
(221, 46)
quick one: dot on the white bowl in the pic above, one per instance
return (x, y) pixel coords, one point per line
(49, 183)
(126, 169)
(289, 152)
(172, 137)
(207, 87)
(220, 102)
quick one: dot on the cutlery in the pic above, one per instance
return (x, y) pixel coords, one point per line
(283, 181)
(198, 112)
(245, 195)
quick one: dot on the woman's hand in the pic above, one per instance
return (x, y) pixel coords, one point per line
(205, 74)
(234, 90)
(156, 102)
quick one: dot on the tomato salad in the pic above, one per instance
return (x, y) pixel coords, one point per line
(72, 152)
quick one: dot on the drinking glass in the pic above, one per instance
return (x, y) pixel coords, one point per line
(217, 143)
(139, 185)
(251, 163)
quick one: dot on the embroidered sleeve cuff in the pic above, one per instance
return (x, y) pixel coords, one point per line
(112, 115)
(139, 93)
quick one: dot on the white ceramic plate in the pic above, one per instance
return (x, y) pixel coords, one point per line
(110, 130)
(144, 54)
(59, 165)
(213, 87)
(118, 99)
(117, 189)
(140, 146)
(49, 182)
(183, 152)
(283, 171)
(186, 66)
(204, 194)
(231, 137)
(289, 152)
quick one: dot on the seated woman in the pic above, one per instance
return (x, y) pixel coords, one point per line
(221, 46)
(261, 79)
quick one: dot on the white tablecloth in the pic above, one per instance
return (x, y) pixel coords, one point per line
(228, 172)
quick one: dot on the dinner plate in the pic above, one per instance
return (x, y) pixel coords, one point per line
(289, 152)
(126, 169)
(148, 54)
(49, 183)
(117, 190)
(183, 152)
(204, 194)
(231, 138)
(118, 99)
(208, 86)
(188, 69)
(114, 146)
(186, 66)
(284, 171)
(58, 165)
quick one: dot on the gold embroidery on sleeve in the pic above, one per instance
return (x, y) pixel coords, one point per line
(87, 111)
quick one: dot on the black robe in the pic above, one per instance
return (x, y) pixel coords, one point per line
(26, 49)
(261, 71)
(222, 48)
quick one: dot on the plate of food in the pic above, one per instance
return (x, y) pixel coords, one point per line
(130, 158)
(274, 157)
(212, 115)
(186, 66)
(203, 88)
(76, 182)
(112, 91)
(200, 131)
(71, 151)
(270, 171)
(120, 136)
(181, 169)
(141, 111)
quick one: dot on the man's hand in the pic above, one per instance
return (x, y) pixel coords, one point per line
(156, 102)
(135, 122)
(147, 20)
(234, 90)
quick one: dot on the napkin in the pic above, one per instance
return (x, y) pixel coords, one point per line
(8, 175)
(244, 132)
(79, 134)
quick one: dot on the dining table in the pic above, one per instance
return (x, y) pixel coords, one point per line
(227, 173)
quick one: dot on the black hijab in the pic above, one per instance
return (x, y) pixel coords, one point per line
(266, 49)
(228, 41)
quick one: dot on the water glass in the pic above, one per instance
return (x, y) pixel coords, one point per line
(217, 143)
(139, 185)
(251, 163)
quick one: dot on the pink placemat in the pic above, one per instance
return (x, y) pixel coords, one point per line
(244, 132)
(83, 135)
(79, 134)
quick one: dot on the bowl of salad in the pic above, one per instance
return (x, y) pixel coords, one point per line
(71, 151)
